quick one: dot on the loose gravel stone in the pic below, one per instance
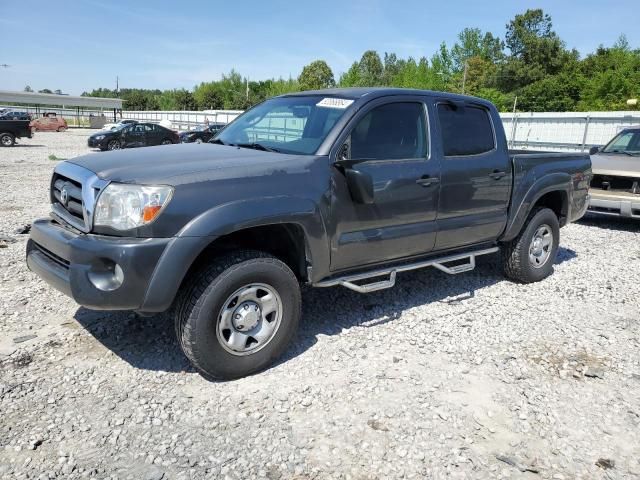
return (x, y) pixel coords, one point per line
(467, 376)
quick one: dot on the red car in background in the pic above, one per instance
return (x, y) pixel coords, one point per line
(49, 122)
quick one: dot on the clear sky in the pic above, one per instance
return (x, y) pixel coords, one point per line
(77, 46)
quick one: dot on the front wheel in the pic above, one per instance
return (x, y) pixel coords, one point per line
(166, 141)
(113, 145)
(529, 257)
(238, 314)
(7, 140)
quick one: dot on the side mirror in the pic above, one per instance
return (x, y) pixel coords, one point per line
(594, 150)
(360, 184)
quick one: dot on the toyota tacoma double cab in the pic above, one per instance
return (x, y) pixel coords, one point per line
(332, 187)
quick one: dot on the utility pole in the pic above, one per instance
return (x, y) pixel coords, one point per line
(117, 84)
(464, 76)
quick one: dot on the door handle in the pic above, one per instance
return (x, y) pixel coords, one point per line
(427, 181)
(497, 174)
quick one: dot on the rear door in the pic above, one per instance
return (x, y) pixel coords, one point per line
(153, 134)
(389, 140)
(476, 175)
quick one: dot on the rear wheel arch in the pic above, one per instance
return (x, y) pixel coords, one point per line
(555, 200)
(551, 192)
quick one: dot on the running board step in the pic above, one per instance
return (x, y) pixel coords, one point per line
(348, 281)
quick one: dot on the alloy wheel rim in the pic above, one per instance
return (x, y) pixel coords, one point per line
(6, 140)
(541, 246)
(249, 319)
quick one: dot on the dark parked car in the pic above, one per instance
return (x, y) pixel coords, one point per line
(133, 135)
(201, 134)
(12, 129)
(13, 115)
(332, 187)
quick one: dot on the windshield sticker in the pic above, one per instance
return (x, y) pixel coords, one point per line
(330, 102)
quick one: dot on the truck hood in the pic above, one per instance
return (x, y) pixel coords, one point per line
(616, 165)
(182, 163)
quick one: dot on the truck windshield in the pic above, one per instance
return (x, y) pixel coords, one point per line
(625, 142)
(296, 125)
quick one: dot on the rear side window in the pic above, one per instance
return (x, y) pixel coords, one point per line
(465, 131)
(390, 132)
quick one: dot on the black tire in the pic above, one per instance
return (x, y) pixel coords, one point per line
(7, 140)
(166, 141)
(114, 145)
(199, 307)
(516, 254)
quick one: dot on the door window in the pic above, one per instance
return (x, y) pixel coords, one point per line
(390, 131)
(465, 130)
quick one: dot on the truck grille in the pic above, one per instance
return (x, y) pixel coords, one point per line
(68, 194)
(74, 190)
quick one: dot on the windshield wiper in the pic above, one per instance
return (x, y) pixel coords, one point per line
(257, 146)
(631, 154)
(218, 141)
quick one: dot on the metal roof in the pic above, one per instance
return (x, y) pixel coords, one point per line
(33, 98)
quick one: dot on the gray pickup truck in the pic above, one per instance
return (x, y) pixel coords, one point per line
(333, 187)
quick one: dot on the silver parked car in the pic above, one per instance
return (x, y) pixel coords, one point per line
(615, 187)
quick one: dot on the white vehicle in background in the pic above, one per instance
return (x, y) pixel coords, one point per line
(113, 126)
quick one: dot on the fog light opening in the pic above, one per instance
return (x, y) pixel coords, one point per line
(108, 277)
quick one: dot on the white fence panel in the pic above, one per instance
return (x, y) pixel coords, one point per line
(570, 131)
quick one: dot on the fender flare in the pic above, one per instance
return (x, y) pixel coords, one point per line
(224, 219)
(553, 182)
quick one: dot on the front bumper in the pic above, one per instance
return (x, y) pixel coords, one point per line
(92, 143)
(71, 262)
(621, 204)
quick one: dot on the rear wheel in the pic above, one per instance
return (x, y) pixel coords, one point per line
(7, 140)
(198, 140)
(529, 257)
(61, 129)
(166, 141)
(238, 314)
(113, 145)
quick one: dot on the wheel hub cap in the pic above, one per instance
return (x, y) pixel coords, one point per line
(246, 316)
(249, 319)
(541, 246)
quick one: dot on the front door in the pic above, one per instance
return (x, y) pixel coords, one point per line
(388, 140)
(135, 136)
(476, 175)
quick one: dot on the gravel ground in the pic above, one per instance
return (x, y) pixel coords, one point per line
(441, 377)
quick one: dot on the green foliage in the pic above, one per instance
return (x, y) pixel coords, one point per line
(473, 43)
(315, 76)
(531, 62)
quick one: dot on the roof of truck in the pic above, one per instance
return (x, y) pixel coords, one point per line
(355, 93)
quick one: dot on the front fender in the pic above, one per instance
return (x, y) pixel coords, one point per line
(224, 219)
(525, 197)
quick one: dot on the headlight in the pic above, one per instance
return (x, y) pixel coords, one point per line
(99, 137)
(123, 207)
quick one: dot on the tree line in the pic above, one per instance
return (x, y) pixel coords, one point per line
(531, 63)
